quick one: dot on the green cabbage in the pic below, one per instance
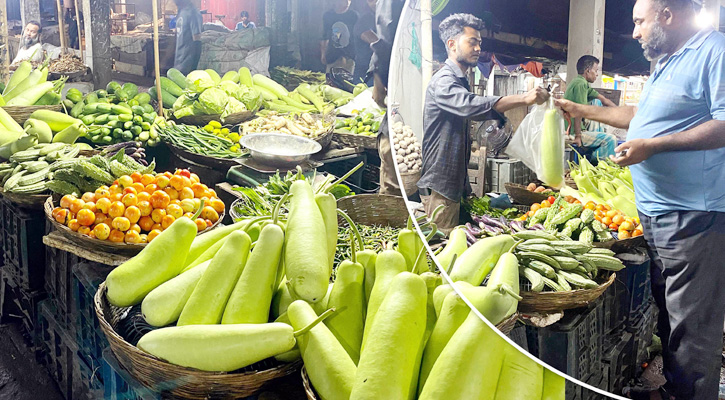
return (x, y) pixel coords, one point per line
(199, 81)
(233, 106)
(213, 101)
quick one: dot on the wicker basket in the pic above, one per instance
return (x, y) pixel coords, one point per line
(28, 201)
(207, 161)
(177, 381)
(353, 140)
(21, 113)
(374, 209)
(624, 245)
(125, 249)
(553, 302)
(520, 195)
(202, 120)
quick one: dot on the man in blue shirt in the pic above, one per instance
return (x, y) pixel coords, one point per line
(676, 149)
(188, 37)
(244, 22)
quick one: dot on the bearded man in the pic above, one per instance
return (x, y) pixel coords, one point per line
(676, 152)
(30, 47)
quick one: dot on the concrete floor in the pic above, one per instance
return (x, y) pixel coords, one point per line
(21, 378)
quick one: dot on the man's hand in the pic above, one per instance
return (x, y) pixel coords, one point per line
(638, 150)
(379, 91)
(570, 109)
(577, 141)
(537, 95)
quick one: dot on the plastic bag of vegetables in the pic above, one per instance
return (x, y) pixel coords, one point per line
(539, 143)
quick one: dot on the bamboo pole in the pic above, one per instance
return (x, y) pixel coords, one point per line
(61, 27)
(157, 67)
(80, 36)
(426, 43)
(4, 48)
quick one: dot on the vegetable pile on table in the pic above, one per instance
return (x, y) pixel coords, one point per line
(607, 183)
(361, 124)
(206, 93)
(200, 141)
(31, 171)
(116, 114)
(293, 77)
(568, 220)
(298, 124)
(42, 127)
(28, 87)
(378, 331)
(137, 207)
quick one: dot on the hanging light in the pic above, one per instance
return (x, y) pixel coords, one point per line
(704, 18)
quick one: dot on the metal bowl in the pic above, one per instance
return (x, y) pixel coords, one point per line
(279, 148)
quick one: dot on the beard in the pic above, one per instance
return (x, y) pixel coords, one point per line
(655, 47)
(466, 60)
(27, 41)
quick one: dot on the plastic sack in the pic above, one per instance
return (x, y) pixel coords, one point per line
(526, 145)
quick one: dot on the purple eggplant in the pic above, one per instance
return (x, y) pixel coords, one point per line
(493, 230)
(537, 227)
(474, 229)
(490, 221)
(470, 236)
(517, 226)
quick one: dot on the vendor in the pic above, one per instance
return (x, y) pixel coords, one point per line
(30, 47)
(676, 149)
(244, 22)
(589, 134)
(364, 34)
(337, 45)
(448, 104)
(387, 15)
(188, 36)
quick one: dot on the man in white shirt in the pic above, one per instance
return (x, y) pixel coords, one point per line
(30, 47)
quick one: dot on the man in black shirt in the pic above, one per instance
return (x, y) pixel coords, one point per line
(364, 35)
(337, 45)
(448, 104)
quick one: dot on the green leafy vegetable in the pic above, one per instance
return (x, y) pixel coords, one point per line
(482, 206)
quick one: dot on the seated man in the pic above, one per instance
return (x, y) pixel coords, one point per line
(587, 134)
(30, 47)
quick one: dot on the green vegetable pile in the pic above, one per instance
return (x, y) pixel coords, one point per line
(482, 206)
(364, 124)
(115, 115)
(293, 77)
(30, 171)
(198, 140)
(28, 87)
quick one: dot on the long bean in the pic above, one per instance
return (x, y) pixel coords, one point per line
(199, 141)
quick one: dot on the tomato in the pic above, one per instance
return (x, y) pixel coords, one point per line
(156, 226)
(209, 213)
(162, 181)
(618, 219)
(147, 179)
(116, 210)
(145, 208)
(622, 234)
(172, 193)
(88, 196)
(530, 214)
(146, 223)
(136, 176)
(129, 190)
(125, 181)
(116, 236)
(66, 200)
(90, 206)
(167, 221)
(144, 196)
(218, 205)
(174, 210)
(200, 224)
(151, 187)
(551, 199)
(636, 232)
(636, 220)
(102, 192)
(612, 213)
(158, 215)
(132, 237)
(144, 238)
(184, 173)
(545, 204)
(102, 231)
(74, 225)
(86, 217)
(76, 205)
(152, 235)
(177, 182)
(129, 200)
(186, 193)
(535, 207)
(627, 225)
(607, 220)
(121, 223)
(133, 214)
(194, 178)
(84, 230)
(613, 226)
(160, 199)
(136, 228)
(599, 207)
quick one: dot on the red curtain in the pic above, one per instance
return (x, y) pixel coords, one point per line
(231, 10)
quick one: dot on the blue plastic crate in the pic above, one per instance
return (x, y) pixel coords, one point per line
(565, 345)
(618, 358)
(118, 384)
(20, 302)
(88, 374)
(636, 279)
(58, 278)
(56, 348)
(87, 277)
(23, 233)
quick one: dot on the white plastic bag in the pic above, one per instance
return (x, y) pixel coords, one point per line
(525, 145)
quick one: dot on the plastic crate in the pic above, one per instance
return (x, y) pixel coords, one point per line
(636, 279)
(518, 335)
(594, 323)
(643, 330)
(565, 345)
(88, 374)
(341, 165)
(20, 302)
(572, 391)
(55, 349)
(618, 359)
(500, 171)
(118, 384)
(89, 336)
(23, 233)
(58, 273)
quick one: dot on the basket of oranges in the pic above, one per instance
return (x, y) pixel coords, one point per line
(134, 210)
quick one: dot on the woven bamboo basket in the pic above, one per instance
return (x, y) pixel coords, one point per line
(553, 302)
(353, 140)
(182, 382)
(125, 249)
(207, 161)
(374, 209)
(520, 195)
(623, 245)
(28, 201)
(21, 113)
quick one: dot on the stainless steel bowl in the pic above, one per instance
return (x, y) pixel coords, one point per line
(279, 148)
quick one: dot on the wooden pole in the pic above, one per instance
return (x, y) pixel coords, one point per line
(80, 36)
(4, 48)
(61, 27)
(426, 43)
(157, 67)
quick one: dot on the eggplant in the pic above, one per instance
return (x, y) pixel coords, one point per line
(490, 229)
(490, 221)
(517, 226)
(470, 237)
(537, 227)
